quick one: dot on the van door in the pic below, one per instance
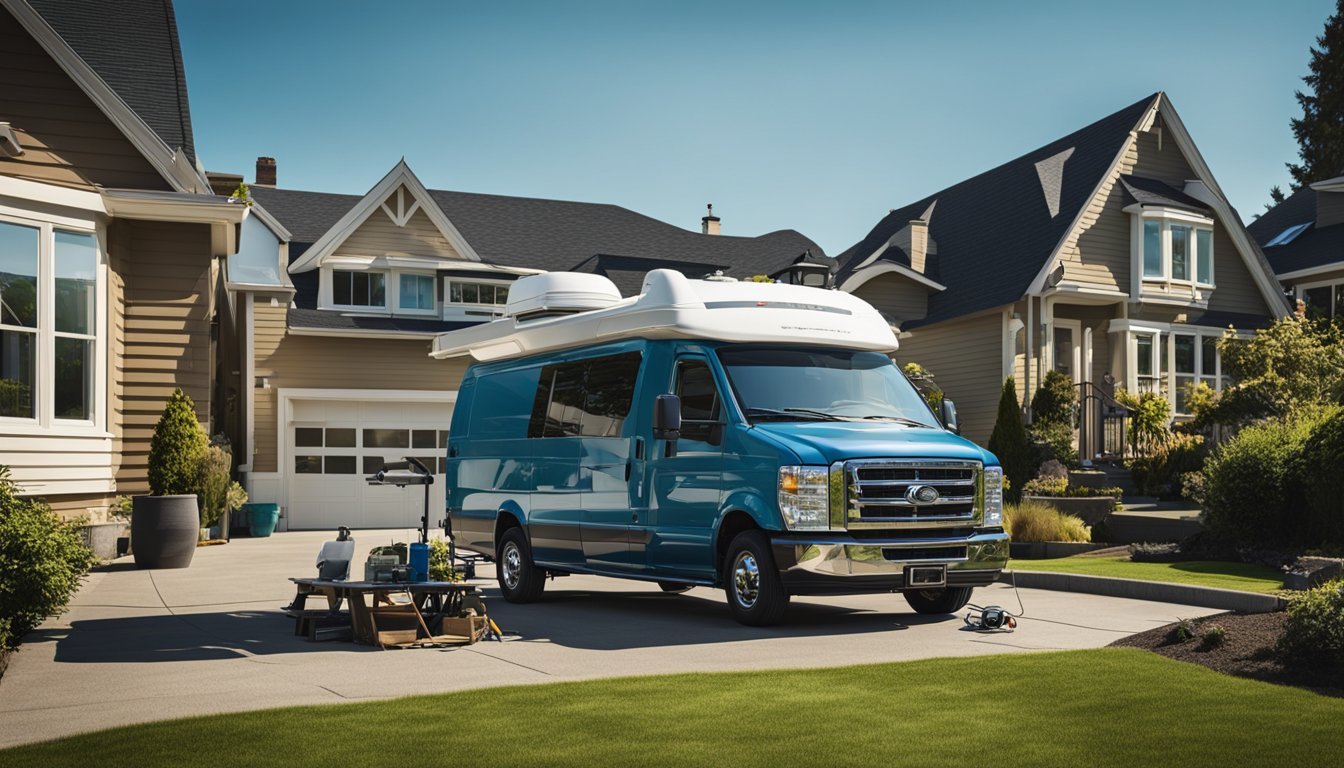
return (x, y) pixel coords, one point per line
(686, 487)
(555, 518)
(605, 464)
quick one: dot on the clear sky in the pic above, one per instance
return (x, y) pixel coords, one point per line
(814, 116)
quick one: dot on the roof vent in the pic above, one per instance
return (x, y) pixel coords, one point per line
(558, 293)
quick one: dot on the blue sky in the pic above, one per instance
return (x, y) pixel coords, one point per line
(818, 117)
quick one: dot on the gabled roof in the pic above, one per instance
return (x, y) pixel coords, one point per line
(995, 231)
(133, 46)
(1313, 249)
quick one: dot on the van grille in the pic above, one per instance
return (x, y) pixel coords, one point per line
(879, 492)
(900, 554)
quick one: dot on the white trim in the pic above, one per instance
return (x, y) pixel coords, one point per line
(1329, 185)
(863, 275)
(270, 221)
(1167, 212)
(1336, 266)
(67, 197)
(400, 175)
(249, 381)
(224, 215)
(170, 164)
(339, 333)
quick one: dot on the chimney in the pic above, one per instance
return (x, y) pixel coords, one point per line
(709, 225)
(265, 172)
(919, 244)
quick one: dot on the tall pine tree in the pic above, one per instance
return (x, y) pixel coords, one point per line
(1320, 130)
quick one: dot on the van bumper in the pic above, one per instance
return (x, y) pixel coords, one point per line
(845, 565)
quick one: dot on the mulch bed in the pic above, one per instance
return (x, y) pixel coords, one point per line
(1248, 650)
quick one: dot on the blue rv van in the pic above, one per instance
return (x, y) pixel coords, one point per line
(752, 437)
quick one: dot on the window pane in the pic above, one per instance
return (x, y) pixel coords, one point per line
(359, 291)
(562, 417)
(1185, 354)
(1209, 356)
(431, 463)
(340, 287)
(1144, 354)
(377, 285)
(1152, 249)
(76, 277)
(417, 292)
(341, 437)
(1339, 300)
(73, 392)
(16, 374)
(1318, 302)
(1183, 385)
(470, 294)
(423, 438)
(610, 389)
(443, 466)
(372, 464)
(1063, 350)
(443, 438)
(699, 396)
(501, 294)
(18, 275)
(308, 465)
(455, 293)
(1204, 252)
(1180, 252)
(1164, 356)
(308, 437)
(340, 465)
(387, 438)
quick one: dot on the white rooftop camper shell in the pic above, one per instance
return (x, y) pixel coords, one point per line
(669, 306)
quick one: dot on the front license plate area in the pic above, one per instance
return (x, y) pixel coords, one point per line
(925, 576)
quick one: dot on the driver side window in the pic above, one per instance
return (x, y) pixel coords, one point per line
(700, 405)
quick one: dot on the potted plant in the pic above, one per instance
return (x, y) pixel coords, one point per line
(165, 525)
(219, 493)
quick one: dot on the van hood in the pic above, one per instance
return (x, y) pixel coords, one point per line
(824, 442)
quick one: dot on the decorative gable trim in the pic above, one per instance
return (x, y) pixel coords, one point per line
(171, 164)
(375, 200)
(888, 267)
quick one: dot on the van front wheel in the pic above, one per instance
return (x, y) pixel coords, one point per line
(519, 578)
(946, 600)
(755, 592)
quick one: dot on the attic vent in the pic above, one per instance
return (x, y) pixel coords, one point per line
(1051, 173)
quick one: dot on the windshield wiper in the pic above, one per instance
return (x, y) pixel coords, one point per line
(902, 420)
(792, 412)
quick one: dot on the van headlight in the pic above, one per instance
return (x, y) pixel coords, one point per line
(993, 480)
(803, 498)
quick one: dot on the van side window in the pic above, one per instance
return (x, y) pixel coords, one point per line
(699, 401)
(589, 398)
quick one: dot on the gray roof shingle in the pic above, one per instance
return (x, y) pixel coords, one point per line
(1314, 247)
(134, 48)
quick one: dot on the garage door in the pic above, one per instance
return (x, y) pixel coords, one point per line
(333, 445)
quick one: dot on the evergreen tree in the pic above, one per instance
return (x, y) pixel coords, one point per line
(1320, 130)
(1008, 441)
(176, 449)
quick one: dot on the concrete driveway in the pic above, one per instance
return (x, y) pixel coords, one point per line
(138, 646)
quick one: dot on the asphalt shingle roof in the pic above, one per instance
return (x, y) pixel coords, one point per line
(1314, 247)
(134, 48)
(1145, 191)
(995, 231)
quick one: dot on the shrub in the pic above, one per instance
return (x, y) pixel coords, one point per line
(176, 449)
(1159, 473)
(1215, 636)
(1293, 363)
(1149, 420)
(440, 567)
(1253, 495)
(218, 492)
(1009, 441)
(1055, 401)
(1034, 521)
(42, 561)
(1053, 441)
(1313, 637)
(1182, 631)
(1046, 486)
(1321, 469)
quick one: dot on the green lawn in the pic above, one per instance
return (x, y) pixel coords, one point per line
(1202, 573)
(1120, 707)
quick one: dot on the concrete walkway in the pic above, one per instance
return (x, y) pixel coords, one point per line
(138, 646)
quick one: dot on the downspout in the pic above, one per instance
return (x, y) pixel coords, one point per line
(1030, 361)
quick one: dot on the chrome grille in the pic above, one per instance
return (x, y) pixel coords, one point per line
(878, 493)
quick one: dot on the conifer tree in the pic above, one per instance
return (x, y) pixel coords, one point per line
(1320, 130)
(1008, 441)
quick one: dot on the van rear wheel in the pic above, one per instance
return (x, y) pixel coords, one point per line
(755, 592)
(934, 601)
(674, 588)
(519, 578)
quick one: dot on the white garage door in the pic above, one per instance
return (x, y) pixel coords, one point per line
(333, 445)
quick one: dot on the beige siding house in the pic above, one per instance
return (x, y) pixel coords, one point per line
(1110, 255)
(112, 249)
(342, 380)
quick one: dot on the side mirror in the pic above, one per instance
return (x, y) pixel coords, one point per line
(666, 417)
(949, 415)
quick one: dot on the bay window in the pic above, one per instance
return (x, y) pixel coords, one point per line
(1173, 248)
(1171, 362)
(49, 312)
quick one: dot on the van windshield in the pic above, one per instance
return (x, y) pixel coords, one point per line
(774, 384)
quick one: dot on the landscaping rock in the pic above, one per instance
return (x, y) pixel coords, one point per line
(1310, 572)
(1088, 478)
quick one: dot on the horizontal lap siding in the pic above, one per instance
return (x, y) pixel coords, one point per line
(896, 297)
(1098, 256)
(1337, 274)
(1235, 289)
(378, 235)
(966, 358)
(291, 361)
(67, 139)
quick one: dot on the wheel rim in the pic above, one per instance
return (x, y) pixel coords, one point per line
(746, 580)
(512, 565)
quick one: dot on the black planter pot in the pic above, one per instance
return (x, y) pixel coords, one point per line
(164, 531)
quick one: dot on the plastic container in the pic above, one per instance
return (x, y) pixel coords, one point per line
(419, 562)
(261, 518)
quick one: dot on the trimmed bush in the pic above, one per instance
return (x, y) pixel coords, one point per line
(1055, 401)
(218, 492)
(1321, 469)
(1160, 473)
(176, 449)
(1034, 521)
(1313, 637)
(42, 562)
(1008, 441)
(1053, 441)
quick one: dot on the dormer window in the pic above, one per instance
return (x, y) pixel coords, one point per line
(1177, 251)
(358, 289)
(477, 293)
(416, 292)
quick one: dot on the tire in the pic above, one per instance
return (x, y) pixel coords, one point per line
(520, 580)
(755, 592)
(934, 601)
(674, 588)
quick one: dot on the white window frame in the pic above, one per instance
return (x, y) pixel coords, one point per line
(1190, 290)
(449, 305)
(328, 277)
(394, 305)
(1164, 370)
(44, 421)
(1300, 292)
